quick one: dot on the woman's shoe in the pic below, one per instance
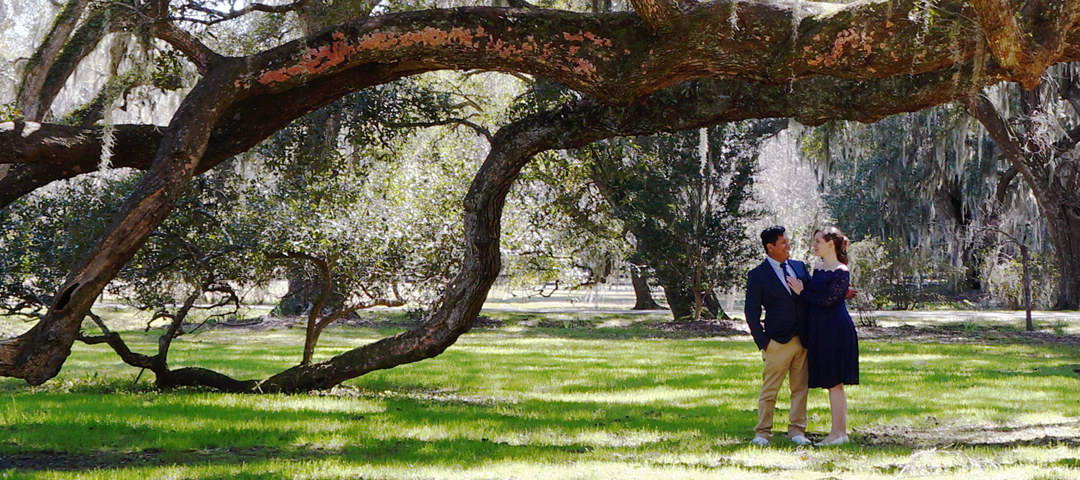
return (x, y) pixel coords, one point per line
(834, 442)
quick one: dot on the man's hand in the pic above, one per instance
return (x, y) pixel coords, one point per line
(851, 293)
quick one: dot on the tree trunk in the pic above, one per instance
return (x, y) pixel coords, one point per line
(1056, 190)
(713, 305)
(1025, 262)
(37, 355)
(642, 295)
(301, 296)
(682, 301)
(1064, 221)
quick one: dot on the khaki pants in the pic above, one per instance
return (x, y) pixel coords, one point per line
(783, 360)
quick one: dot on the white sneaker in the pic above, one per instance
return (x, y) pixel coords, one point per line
(800, 440)
(760, 441)
(834, 442)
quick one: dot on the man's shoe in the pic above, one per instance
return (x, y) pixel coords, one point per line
(834, 442)
(760, 441)
(800, 440)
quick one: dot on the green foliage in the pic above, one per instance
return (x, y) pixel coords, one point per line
(344, 190)
(888, 275)
(168, 71)
(9, 112)
(45, 233)
(907, 176)
(564, 230)
(927, 183)
(1004, 278)
(688, 215)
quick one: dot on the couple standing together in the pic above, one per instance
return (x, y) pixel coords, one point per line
(806, 335)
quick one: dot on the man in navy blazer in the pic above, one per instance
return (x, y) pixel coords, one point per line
(778, 335)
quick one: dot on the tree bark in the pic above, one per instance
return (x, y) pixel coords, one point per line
(643, 299)
(683, 303)
(680, 300)
(1024, 36)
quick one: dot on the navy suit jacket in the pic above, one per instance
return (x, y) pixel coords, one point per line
(785, 313)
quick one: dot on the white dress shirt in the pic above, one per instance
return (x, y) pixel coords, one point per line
(780, 272)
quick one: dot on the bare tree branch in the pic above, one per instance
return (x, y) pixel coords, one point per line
(217, 16)
(480, 130)
(202, 56)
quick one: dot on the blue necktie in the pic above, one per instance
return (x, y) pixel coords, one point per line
(783, 266)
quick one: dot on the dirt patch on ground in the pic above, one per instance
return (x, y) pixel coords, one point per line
(706, 328)
(958, 335)
(1067, 433)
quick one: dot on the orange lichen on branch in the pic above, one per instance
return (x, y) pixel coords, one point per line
(314, 60)
(591, 37)
(846, 41)
(339, 51)
(584, 68)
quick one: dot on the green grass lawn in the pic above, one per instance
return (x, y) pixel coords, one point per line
(546, 403)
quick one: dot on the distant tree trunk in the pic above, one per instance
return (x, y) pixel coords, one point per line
(1025, 259)
(643, 296)
(302, 295)
(681, 300)
(1056, 187)
(713, 305)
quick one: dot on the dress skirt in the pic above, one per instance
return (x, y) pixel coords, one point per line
(832, 343)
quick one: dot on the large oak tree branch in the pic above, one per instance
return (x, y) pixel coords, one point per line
(1027, 36)
(615, 58)
(38, 67)
(75, 150)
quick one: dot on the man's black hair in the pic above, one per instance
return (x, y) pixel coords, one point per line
(770, 235)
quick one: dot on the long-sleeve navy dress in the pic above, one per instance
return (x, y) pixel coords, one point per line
(832, 344)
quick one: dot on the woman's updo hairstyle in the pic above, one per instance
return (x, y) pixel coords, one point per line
(840, 241)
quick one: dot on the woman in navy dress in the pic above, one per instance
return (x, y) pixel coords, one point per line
(832, 344)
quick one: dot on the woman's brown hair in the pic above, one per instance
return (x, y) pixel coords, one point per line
(840, 241)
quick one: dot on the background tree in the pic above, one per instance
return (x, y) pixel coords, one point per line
(684, 199)
(918, 186)
(1038, 131)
